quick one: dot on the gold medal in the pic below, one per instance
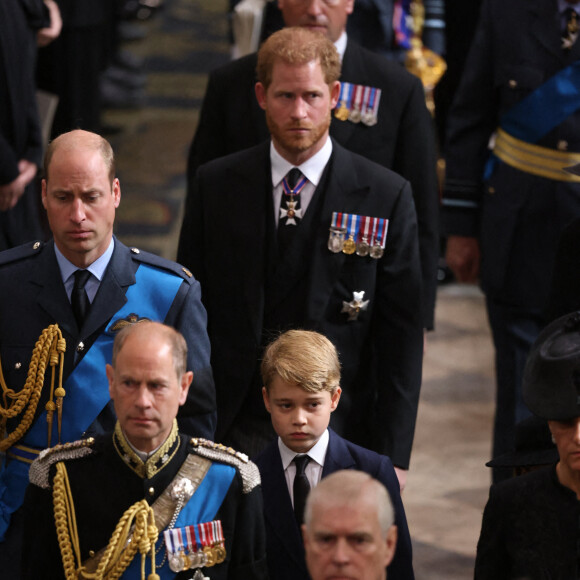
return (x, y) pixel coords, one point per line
(210, 556)
(349, 246)
(220, 553)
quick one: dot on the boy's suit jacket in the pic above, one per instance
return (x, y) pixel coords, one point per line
(284, 540)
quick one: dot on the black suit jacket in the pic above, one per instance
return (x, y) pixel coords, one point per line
(517, 216)
(33, 297)
(285, 549)
(402, 139)
(225, 241)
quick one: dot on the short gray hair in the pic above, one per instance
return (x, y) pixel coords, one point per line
(346, 487)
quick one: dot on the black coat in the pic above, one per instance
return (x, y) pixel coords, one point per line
(529, 530)
(517, 216)
(20, 133)
(103, 486)
(228, 242)
(402, 139)
(285, 549)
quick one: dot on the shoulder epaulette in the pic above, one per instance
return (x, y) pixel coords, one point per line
(218, 452)
(163, 263)
(40, 468)
(21, 252)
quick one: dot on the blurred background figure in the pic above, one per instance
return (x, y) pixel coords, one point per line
(23, 24)
(530, 523)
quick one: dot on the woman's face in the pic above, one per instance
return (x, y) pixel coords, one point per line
(566, 435)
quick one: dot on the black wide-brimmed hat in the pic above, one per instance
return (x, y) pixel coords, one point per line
(533, 446)
(551, 384)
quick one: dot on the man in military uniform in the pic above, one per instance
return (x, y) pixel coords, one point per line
(195, 505)
(506, 212)
(41, 286)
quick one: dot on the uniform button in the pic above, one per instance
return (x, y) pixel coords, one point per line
(81, 347)
(135, 250)
(36, 246)
(18, 365)
(151, 490)
(512, 83)
(91, 553)
(562, 145)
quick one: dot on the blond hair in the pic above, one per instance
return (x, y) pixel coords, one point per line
(302, 357)
(297, 46)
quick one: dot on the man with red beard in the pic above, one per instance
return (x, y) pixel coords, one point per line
(300, 233)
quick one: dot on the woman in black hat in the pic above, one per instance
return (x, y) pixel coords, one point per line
(531, 524)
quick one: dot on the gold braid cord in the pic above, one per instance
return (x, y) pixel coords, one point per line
(50, 348)
(135, 532)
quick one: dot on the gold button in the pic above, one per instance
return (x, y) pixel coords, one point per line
(491, 190)
(135, 250)
(562, 145)
(18, 365)
(151, 490)
(91, 553)
(81, 347)
(513, 83)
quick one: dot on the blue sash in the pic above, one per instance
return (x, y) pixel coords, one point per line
(542, 110)
(151, 297)
(202, 507)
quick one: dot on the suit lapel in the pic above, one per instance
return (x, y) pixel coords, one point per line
(277, 505)
(545, 27)
(344, 194)
(337, 455)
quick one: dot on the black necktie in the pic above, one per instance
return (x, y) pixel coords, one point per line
(301, 487)
(289, 209)
(571, 29)
(79, 299)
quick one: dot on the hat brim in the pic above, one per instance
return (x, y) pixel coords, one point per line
(525, 458)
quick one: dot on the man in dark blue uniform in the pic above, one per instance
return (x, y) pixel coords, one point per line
(521, 84)
(206, 498)
(42, 285)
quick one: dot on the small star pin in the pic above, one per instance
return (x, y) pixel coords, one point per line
(354, 307)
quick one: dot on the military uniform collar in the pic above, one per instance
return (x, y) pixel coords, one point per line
(155, 462)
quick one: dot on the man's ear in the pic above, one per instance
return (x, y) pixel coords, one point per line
(391, 541)
(110, 376)
(261, 95)
(186, 379)
(43, 185)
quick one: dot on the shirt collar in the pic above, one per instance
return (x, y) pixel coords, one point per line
(340, 44)
(312, 168)
(97, 268)
(317, 452)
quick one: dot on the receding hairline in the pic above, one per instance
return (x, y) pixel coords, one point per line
(80, 140)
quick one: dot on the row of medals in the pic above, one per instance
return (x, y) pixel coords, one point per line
(337, 242)
(343, 113)
(207, 557)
